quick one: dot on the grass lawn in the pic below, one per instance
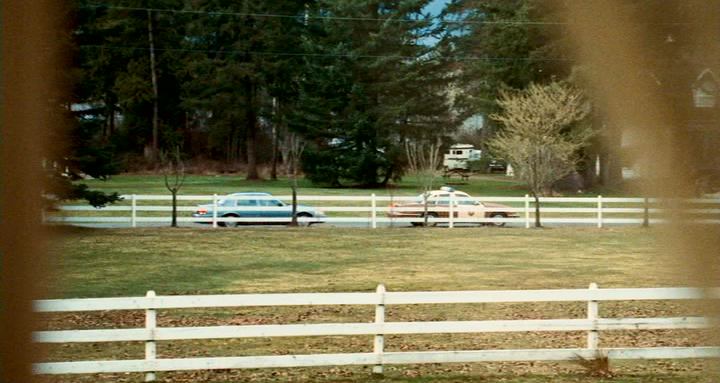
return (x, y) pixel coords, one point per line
(104, 263)
(477, 185)
(99, 262)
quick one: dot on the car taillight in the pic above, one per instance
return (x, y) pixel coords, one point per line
(202, 211)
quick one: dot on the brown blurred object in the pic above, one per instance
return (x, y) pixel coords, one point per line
(643, 61)
(28, 48)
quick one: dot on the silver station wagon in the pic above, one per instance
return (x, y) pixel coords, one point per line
(256, 208)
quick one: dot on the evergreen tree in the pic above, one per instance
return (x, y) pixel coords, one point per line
(243, 58)
(116, 76)
(365, 84)
(499, 44)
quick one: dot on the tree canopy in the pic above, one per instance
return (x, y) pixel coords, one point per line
(221, 79)
(224, 81)
(543, 133)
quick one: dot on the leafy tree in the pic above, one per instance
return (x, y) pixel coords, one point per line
(499, 44)
(543, 134)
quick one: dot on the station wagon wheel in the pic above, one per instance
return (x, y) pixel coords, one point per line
(497, 215)
(304, 215)
(230, 224)
(430, 215)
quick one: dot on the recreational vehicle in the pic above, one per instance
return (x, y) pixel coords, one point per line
(459, 155)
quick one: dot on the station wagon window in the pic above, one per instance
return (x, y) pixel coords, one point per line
(270, 202)
(247, 202)
(226, 202)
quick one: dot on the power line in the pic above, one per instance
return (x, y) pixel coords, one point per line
(247, 14)
(349, 18)
(307, 54)
(310, 17)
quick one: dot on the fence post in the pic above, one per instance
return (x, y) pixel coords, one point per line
(451, 211)
(527, 211)
(592, 313)
(150, 345)
(379, 343)
(646, 213)
(374, 211)
(133, 214)
(599, 212)
(214, 216)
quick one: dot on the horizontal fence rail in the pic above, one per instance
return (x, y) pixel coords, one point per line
(378, 328)
(388, 358)
(372, 210)
(396, 298)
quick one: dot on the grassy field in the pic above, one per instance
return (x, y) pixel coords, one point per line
(129, 262)
(479, 185)
(93, 263)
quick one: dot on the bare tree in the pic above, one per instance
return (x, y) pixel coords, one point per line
(424, 162)
(174, 174)
(293, 148)
(544, 133)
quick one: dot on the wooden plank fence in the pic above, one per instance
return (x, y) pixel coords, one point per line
(378, 328)
(597, 211)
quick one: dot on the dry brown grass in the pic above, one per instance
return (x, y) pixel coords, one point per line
(128, 262)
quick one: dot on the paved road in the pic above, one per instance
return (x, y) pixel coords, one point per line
(339, 225)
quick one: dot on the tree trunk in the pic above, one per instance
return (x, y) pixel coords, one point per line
(425, 206)
(251, 131)
(275, 132)
(187, 138)
(174, 209)
(252, 170)
(233, 145)
(109, 119)
(293, 186)
(153, 73)
(537, 209)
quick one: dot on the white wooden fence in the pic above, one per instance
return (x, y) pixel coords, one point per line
(371, 210)
(593, 324)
